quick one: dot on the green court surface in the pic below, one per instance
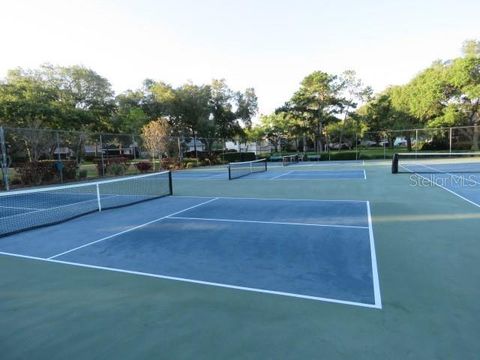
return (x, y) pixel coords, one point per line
(427, 243)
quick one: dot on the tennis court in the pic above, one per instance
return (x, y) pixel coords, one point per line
(367, 268)
(457, 173)
(228, 242)
(303, 171)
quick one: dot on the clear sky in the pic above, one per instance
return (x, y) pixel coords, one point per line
(266, 44)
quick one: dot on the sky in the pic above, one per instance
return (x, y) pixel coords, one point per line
(265, 44)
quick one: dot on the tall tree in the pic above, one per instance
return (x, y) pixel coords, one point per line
(230, 112)
(58, 97)
(130, 116)
(26, 101)
(86, 99)
(157, 137)
(191, 109)
(318, 101)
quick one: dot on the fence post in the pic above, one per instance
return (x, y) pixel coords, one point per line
(450, 132)
(180, 152)
(416, 142)
(59, 158)
(356, 146)
(4, 159)
(133, 147)
(101, 156)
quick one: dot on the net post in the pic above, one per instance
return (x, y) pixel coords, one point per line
(395, 164)
(98, 197)
(229, 173)
(170, 182)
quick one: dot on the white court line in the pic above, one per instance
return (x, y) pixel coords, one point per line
(18, 207)
(256, 290)
(267, 199)
(130, 229)
(276, 177)
(220, 175)
(327, 178)
(444, 188)
(267, 222)
(375, 279)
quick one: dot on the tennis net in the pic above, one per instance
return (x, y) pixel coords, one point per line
(290, 159)
(436, 163)
(33, 208)
(240, 169)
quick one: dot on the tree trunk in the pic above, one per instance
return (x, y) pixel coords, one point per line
(409, 142)
(195, 143)
(319, 137)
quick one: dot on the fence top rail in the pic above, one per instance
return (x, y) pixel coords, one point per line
(423, 129)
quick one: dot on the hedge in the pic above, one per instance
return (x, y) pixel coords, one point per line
(44, 171)
(236, 156)
(112, 165)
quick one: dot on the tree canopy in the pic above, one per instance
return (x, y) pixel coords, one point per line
(447, 93)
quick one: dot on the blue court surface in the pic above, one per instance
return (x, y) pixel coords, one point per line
(287, 173)
(320, 163)
(313, 249)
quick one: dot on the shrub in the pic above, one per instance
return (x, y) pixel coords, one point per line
(190, 164)
(206, 162)
(437, 143)
(45, 171)
(116, 169)
(16, 181)
(104, 168)
(341, 155)
(144, 166)
(82, 174)
(236, 156)
(168, 163)
(70, 168)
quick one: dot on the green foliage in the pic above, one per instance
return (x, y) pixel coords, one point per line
(342, 155)
(57, 97)
(236, 156)
(275, 127)
(82, 174)
(43, 172)
(144, 166)
(112, 166)
(130, 115)
(35, 173)
(116, 169)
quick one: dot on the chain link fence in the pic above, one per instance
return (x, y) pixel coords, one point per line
(32, 157)
(35, 156)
